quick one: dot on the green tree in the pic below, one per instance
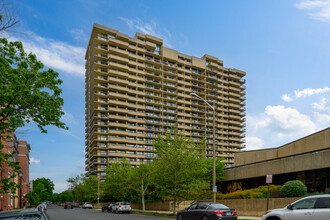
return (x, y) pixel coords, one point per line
(219, 168)
(28, 93)
(117, 178)
(141, 178)
(43, 188)
(90, 187)
(77, 187)
(33, 198)
(180, 167)
(65, 196)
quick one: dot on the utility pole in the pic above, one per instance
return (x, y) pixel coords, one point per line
(98, 190)
(214, 182)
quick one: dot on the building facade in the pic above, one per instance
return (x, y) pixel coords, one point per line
(306, 159)
(22, 149)
(24, 162)
(137, 89)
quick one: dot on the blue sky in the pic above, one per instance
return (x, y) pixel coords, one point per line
(284, 47)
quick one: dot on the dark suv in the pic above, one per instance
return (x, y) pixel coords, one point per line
(107, 207)
(68, 205)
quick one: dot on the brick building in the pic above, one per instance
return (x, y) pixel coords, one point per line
(22, 149)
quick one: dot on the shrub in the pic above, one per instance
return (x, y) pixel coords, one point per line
(260, 192)
(294, 188)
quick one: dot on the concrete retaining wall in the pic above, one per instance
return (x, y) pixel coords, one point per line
(244, 207)
(256, 207)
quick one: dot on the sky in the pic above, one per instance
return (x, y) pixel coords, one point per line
(282, 45)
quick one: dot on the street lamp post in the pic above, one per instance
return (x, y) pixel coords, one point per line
(20, 189)
(214, 171)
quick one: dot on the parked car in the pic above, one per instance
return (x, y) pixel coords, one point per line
(25, 214)
(87, 205)
(42, 206)
(121, 207)
(68, 205)
(311, 207)
(75, 204)
(107, 206)
(207, 211)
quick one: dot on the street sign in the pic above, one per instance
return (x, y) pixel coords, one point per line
(269, 179)
(215, 189)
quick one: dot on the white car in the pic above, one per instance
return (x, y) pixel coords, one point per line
(309, 208)
(121, 207)
(87, 205)
(42, 206)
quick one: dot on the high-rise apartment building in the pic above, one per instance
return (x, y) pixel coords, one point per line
(137, 89)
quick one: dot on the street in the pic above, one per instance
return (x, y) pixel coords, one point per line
(59, 213)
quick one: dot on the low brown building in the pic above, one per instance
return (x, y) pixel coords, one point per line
(22, 149)
(306, 159)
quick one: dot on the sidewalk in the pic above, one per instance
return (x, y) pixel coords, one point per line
(249, 217)
(170, 212)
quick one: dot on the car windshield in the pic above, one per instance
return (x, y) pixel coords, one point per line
(124, 203)
(219, 206)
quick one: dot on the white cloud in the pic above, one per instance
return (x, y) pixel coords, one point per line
(79, 35)
(305, 93)
(320, 9)
(289, 121)
(322, 118)
(81, 167)
(68, 117)
(35, 161)
(287, 98)
(254, 143)
(321, 105)
(310, 92)
(60, 186)
(54, 54)
(149, 28)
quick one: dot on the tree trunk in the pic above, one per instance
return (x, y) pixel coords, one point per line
(142, 194)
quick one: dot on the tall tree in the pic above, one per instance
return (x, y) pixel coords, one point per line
(8, 19)
(90, 187)
(117, 178)
(219, 169)
(141, 177)
(28, 93)
(44, 188)
(77, 187)
(180, 165)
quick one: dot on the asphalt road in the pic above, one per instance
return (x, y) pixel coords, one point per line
(59, 213)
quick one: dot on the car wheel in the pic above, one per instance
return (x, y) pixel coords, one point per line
(205, 217)
(179, 217)
(116, 211)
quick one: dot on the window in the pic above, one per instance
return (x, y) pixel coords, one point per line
(202, 206)
(193, 206)
(103, 138)
(322, 203)
(304, 204)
